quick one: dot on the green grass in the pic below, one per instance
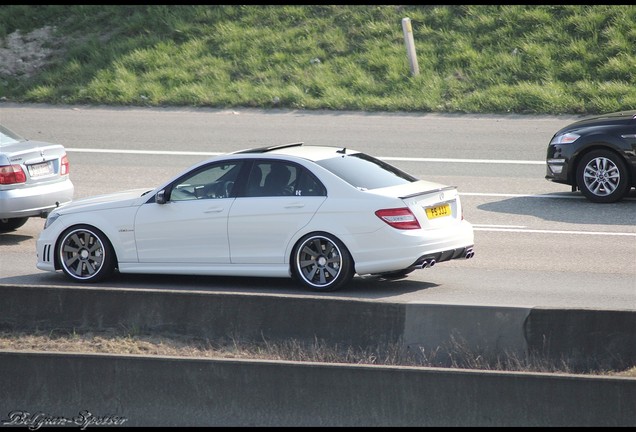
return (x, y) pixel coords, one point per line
(559, 59)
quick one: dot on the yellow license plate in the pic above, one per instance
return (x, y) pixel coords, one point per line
(439, 211)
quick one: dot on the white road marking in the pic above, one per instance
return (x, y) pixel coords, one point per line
(404, 159)
(488, 161)
(522, 195)
(513, 228)
(149, 152)
(500, 226)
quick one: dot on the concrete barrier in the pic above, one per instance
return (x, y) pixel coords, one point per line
(607, 338)
(49, 389)
(251, 317)
(55, 389)
(590, 339)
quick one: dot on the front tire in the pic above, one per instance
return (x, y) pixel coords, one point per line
(602, 176)
(322, 262)
(85, 254)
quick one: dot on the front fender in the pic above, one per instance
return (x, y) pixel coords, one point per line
(116, 224)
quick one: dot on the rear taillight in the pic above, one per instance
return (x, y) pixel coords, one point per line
(66, 166)
(400, 218)
(11, 174)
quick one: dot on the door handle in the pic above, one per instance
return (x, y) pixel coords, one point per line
(214, 210)
(295, 205)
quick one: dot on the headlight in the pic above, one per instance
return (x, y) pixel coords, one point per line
(565, 138)
(52, 217)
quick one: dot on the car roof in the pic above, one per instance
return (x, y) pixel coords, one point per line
(310, 152)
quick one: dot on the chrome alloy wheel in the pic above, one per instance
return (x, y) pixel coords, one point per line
(601, 176)
(322, 262)
(85, 254)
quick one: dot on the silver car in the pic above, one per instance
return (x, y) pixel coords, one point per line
(34, 179)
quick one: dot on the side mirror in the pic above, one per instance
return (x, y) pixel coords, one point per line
(160, 198)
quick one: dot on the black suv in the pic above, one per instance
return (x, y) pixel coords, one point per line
(596, 155)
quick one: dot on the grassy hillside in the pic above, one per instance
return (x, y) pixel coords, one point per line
(560, 59)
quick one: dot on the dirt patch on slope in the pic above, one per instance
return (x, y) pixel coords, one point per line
(22, 55)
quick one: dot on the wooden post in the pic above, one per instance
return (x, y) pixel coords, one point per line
(410, 45)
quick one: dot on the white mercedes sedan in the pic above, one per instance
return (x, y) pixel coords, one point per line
(318, 214)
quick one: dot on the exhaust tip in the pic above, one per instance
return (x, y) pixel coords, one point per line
(427, 263)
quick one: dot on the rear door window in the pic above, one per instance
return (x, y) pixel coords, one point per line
(279, 178)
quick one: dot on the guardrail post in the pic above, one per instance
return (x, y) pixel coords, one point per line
(410, 45)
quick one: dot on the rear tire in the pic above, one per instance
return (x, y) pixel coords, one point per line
(602, 176)
(12, 224)
(85, 254)
(321, 262)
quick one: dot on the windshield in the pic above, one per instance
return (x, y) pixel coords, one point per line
(9, 137)
(366, 172)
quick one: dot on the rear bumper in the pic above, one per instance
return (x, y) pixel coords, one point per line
(405, 249)
(35, 200)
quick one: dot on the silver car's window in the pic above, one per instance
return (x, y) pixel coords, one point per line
(366, 172)
(9, 137)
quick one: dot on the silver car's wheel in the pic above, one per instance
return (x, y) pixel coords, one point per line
(321, 262)
(85, 254)
(602, 177)
(7, 225)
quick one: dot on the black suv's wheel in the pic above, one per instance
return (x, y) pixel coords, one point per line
(322, 262)
(602, 176)
(85, 254)
(12, 224)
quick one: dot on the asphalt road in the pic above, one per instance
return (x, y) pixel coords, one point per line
(537, 243)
